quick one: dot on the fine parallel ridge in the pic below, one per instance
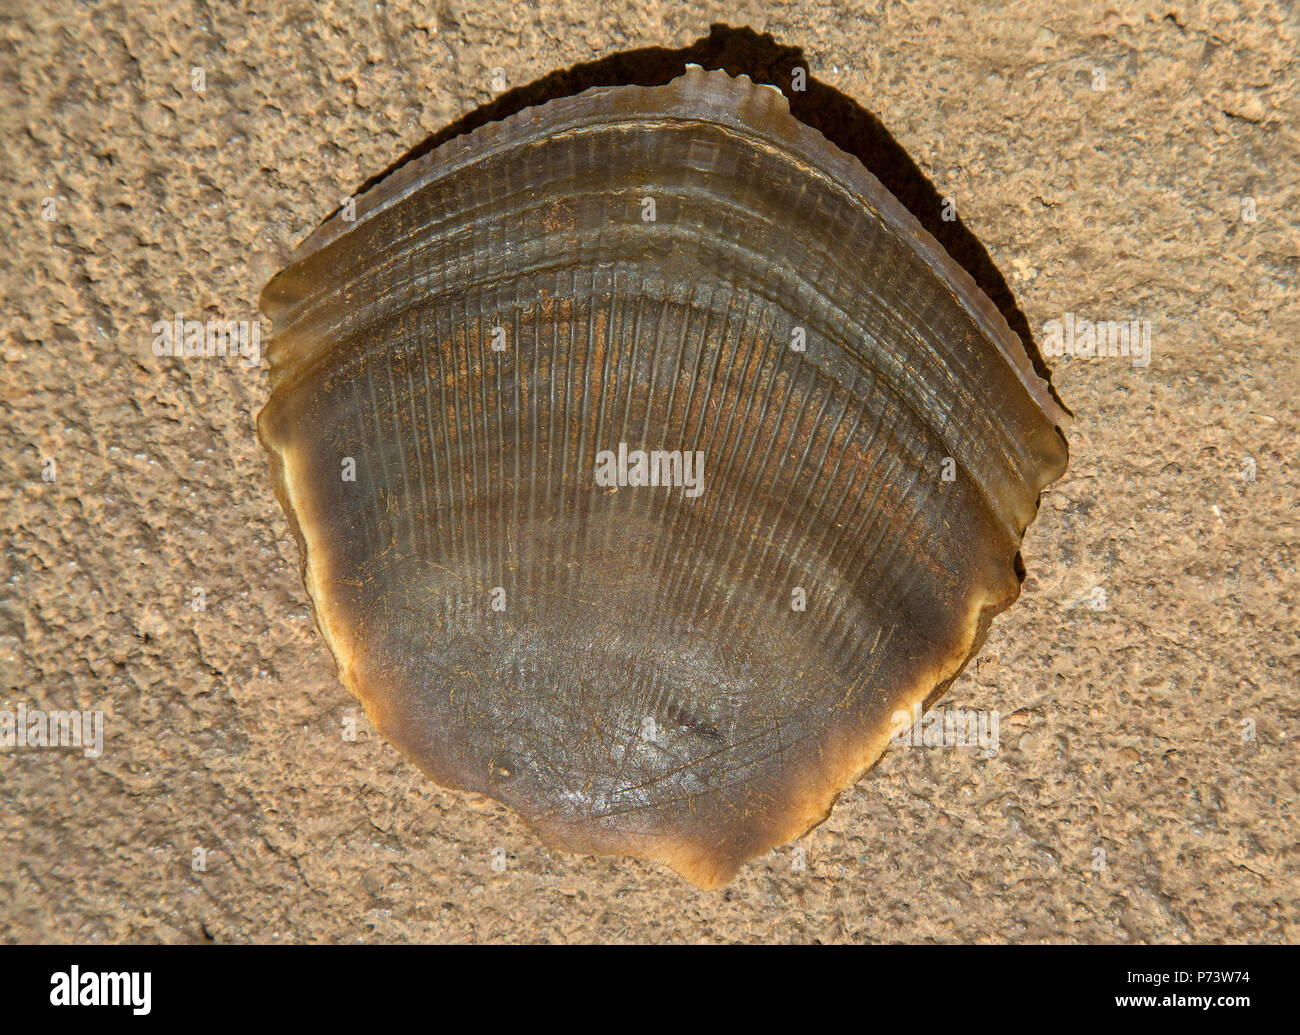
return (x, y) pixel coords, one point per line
(960, 417)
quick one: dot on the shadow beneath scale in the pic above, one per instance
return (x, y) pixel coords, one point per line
(837, 116)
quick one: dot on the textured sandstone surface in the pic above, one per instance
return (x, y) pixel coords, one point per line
(1145, 786)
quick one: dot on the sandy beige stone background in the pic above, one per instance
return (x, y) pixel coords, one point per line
(1125, 731)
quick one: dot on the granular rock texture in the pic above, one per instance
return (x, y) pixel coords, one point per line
(1117, 166)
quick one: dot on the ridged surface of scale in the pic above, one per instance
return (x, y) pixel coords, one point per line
(628, 666)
